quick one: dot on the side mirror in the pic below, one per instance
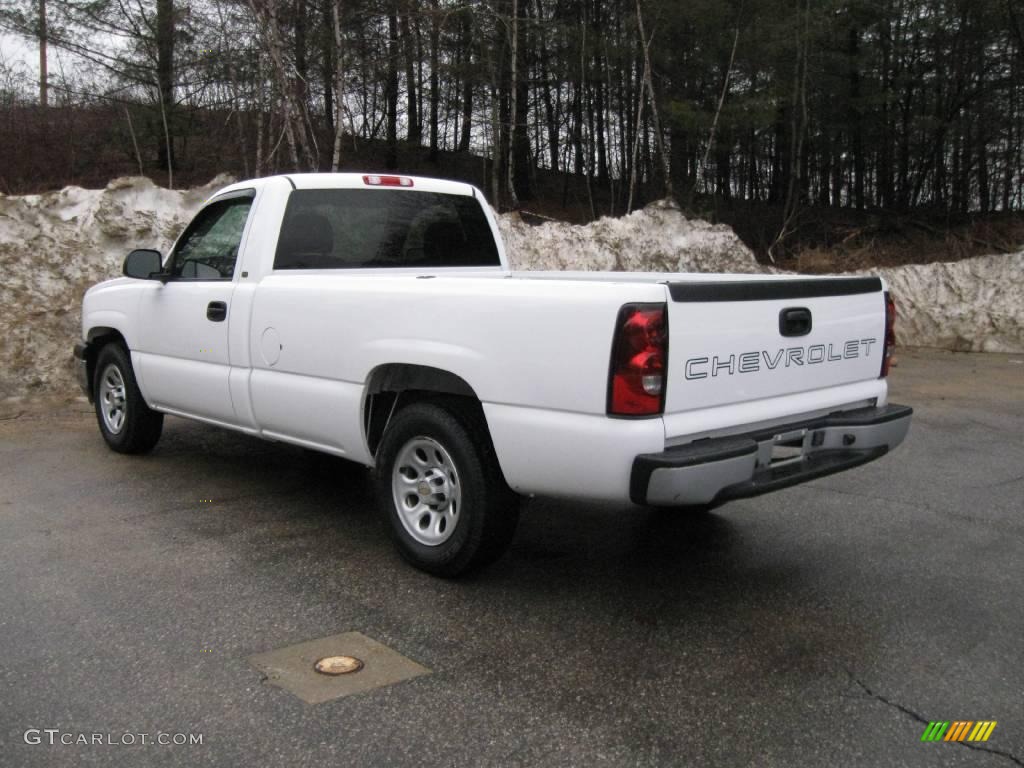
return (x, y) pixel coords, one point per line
(143, 264)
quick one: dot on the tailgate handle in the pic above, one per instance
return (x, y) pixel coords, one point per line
(795, 321)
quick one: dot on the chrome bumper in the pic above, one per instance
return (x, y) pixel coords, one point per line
(715, 470)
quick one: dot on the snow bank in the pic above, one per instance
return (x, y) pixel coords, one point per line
(656, 239)
(53, 246)
(975, 305)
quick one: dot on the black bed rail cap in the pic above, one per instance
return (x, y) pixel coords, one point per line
(765, 290)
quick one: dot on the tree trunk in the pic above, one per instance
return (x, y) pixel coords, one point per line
(981, 155)
(301, 66)
(415, 126)
(294, 117)
(714, 123)
(44, 96)
(520, 155)
(435, 82)
(903, 161)
(798, 127)
(655, 120)
(135, 144)
(467, 85)
(391, 91)
(513, 111)
(633, 161)
(327, 61)
(577, 120)
(339, 84)
(780, 158)
(550, 117)
(886, 192)
(855, 117)
(260, 109)
(165, 79)
(598, 106)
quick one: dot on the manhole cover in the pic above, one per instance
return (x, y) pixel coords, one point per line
(305, 669)
(338, 665)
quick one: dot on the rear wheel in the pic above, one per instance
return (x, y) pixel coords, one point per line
(126, 422)
(437, 479)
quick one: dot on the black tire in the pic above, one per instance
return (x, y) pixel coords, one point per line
(488, 510)
(139, 426)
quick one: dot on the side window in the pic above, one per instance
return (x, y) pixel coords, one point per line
(209, 247)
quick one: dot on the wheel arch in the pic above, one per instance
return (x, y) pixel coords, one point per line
(393, 384)
(98, 337)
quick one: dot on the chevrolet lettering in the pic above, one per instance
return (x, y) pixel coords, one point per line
(752, 362)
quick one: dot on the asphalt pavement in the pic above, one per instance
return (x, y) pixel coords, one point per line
(826, 624)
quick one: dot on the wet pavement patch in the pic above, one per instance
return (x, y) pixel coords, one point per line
(295, 668)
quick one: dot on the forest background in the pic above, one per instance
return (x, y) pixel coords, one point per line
(827, 133)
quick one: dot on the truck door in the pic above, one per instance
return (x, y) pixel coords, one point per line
(182, 352)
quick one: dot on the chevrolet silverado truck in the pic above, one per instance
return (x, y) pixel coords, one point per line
(376, 318)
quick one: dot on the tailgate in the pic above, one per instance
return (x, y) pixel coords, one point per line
(736, 341)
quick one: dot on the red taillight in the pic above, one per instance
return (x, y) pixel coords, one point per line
(387, 181)
(890, 334)
(636, 385)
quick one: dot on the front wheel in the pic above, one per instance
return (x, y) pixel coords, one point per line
(126, 422)
(437, 479)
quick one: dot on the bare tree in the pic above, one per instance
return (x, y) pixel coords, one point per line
(164, 37)
(339, 83)
(718, 113)
(513, 110)
(797, 129)
(293, 116)
(649, 82)
(43, 93)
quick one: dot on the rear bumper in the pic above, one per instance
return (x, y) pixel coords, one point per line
(82, 368)
(716, 470)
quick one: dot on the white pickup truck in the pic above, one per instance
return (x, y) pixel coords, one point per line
(376, 318)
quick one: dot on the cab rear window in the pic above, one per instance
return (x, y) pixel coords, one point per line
(357, 228)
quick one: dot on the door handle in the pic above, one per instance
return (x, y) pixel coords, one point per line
(217, 311)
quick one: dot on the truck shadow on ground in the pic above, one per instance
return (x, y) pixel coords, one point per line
(290, 486)
(705, 578)
(286, 487)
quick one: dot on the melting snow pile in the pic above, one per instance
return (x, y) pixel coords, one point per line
(55, 245)
(974, 305)
(656, 239)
